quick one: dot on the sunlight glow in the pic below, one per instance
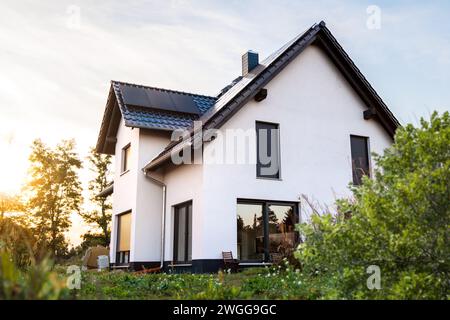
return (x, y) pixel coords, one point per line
(13, 163)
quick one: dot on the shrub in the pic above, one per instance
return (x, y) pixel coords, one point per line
(400, 221)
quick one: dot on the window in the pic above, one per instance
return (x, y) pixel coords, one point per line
(360, 158)
(268, 150)
(123, 238)
(126, 158)
(182, 249)
(265, 229)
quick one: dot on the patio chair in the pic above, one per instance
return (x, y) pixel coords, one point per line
(276, 257)
(229, 262)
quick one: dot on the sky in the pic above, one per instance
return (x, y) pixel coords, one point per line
(57, 58)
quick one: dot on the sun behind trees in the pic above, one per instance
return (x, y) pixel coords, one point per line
(9, 204)
(53, 192)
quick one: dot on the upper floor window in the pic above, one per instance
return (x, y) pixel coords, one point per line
(126, 158)
(360, 158)
(268, 150)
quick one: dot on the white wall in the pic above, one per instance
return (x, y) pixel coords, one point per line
(133, 191)
(184, 183)
(125, 185)
(317, 110)
(148, 210)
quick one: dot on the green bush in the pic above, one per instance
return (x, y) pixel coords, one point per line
(399, 221)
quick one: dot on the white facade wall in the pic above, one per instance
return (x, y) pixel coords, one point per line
(134, 192)
(125, 185)
(148, 210)
(317, 111)
(184, 183)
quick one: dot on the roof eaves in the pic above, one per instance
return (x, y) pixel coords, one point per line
(107, 191)
(105, 121)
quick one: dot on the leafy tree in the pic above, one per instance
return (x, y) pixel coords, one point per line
(101, 215)
(398, 221)
(54, 191)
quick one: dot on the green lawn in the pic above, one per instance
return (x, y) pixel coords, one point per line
(261, 283)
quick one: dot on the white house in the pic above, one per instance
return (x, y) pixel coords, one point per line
(301, 122)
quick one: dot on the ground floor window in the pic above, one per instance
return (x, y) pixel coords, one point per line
(266, 229)
(123, 238)
(182, 249)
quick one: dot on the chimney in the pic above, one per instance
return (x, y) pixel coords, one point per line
(250, 61)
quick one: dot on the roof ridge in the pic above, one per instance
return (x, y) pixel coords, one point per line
(163, 89)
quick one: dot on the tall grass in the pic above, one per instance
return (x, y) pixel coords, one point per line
(22, 276)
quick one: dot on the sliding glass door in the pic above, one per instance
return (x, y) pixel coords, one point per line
(265, 229)
(182, 250)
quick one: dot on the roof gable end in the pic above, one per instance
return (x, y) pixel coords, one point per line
(248, 86)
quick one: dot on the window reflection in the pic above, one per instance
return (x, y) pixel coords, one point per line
(282, 235)
(265, 231)
(250, 227)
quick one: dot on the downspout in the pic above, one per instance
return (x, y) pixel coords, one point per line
(163, 218)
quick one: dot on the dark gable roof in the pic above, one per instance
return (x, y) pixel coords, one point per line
(148, 108)
(247, 87)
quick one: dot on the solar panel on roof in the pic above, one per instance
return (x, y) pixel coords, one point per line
(160, 100)
(134, 96)
(184, 103)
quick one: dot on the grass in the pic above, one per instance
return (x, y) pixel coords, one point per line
(258, 283)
